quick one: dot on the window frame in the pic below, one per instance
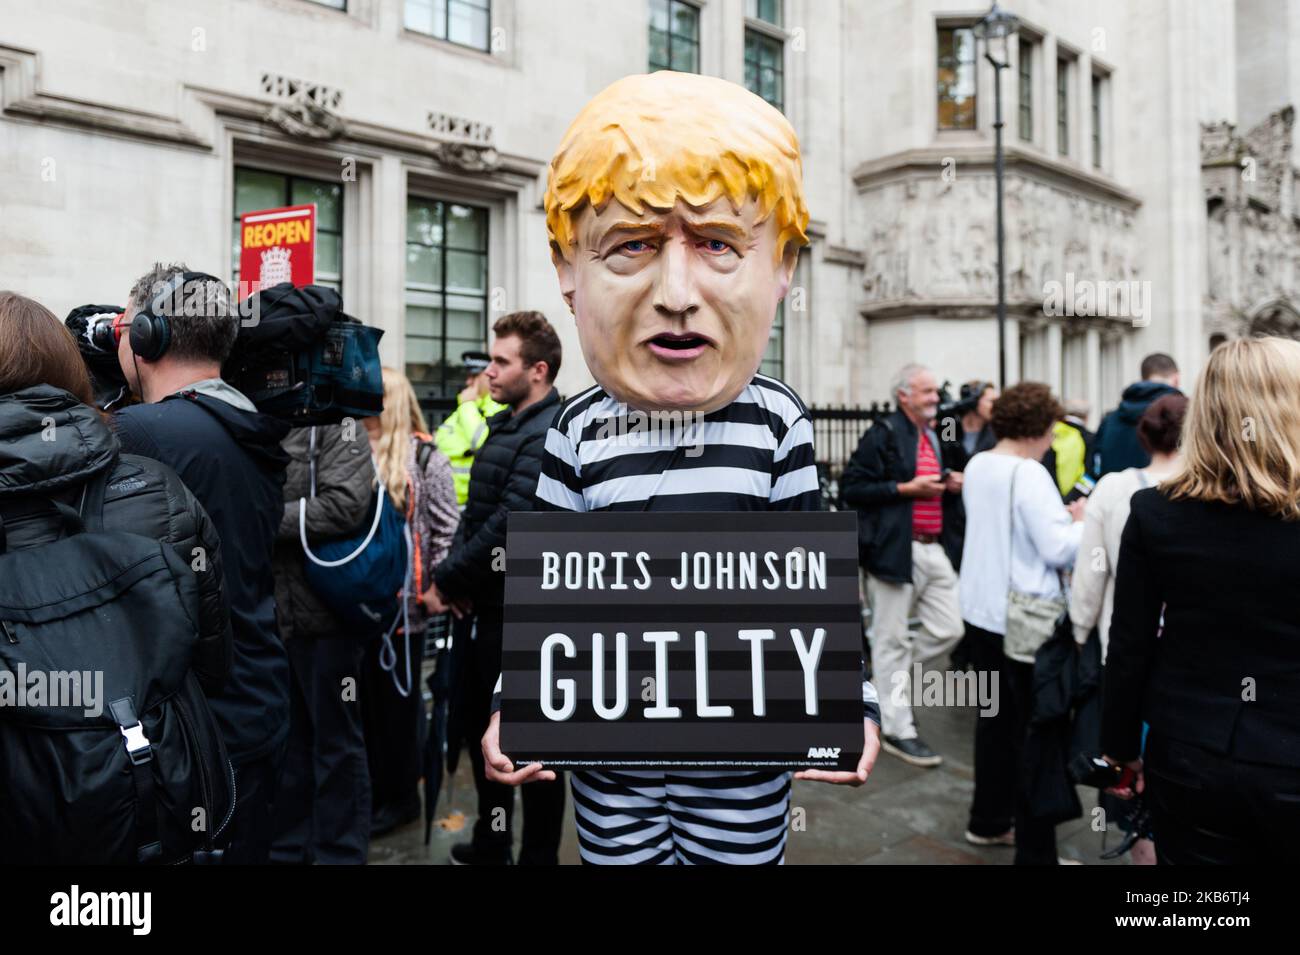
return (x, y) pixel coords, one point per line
(485, 5)
(756, 16)
(432, 396)
(954, 27)
(670, 35)
(1065, 67)
(1025, 87)
(764, 33)
(776, 338)
(289, 177)
(1100, 82)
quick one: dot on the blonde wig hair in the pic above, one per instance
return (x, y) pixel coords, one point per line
(400, 419)
(651, 139)
(1241, 438)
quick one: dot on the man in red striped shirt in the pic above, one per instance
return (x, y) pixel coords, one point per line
(896, 481)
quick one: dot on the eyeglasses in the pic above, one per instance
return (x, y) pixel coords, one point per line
(118, 323)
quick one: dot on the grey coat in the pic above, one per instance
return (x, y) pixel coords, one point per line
(345, 488)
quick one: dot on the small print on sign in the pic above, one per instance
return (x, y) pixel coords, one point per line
(745, 629)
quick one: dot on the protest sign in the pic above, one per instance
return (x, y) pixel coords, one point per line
(682, 640)
(277, 245)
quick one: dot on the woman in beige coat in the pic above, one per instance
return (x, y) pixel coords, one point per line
(1093, 591)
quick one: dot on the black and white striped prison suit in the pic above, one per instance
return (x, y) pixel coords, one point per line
(756, 454)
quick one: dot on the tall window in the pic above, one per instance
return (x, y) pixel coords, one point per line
(466, 22)
(1026, 72)
(674, 36)
(446, 292)
(1063, 107)
(764, 67)
(768, 10)
(956, 78)
(773, 362)
(258, 189)
(1096, 120)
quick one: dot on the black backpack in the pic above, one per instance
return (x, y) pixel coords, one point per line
(146, 779)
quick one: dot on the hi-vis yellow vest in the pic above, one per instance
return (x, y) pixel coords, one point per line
(461, 435)
(1070, 452)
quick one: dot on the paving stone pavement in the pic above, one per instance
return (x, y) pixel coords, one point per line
(902, 816)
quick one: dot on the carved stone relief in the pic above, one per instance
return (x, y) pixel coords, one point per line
(930, 240)
(1253, 235)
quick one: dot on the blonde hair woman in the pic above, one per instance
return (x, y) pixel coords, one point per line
(1214, 553)
(417, 478)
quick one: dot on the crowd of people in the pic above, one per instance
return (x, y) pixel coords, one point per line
(1167, 540)
(321, 717)
(1163, 542)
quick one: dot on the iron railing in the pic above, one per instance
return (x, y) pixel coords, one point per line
(836, 433)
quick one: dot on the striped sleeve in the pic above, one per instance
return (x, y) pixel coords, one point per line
(559, 486)
(794, 474)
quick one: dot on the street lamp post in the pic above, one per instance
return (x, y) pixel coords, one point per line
(998, 24)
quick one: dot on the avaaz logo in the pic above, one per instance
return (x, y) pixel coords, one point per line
(823, 752)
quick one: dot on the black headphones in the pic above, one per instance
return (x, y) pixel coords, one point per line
(151, 330)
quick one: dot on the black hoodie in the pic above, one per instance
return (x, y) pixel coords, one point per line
(232, 461)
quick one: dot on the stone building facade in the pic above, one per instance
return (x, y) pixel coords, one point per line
(1150, 171)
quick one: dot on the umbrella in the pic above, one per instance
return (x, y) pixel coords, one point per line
(439, 750)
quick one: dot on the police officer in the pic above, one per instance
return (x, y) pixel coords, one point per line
(465, 429)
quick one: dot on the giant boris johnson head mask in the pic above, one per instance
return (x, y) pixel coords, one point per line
(675, 212)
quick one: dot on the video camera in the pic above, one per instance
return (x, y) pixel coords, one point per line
(969, 400)
(304, 360)
(298, 356)
(93, 327)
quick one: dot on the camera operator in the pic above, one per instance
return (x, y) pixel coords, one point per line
(177, 330)
(964, 426)
(965, 429)
(95, 329)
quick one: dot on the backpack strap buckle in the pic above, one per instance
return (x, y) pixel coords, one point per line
(138, 747)
(140, 752)
(137, 744)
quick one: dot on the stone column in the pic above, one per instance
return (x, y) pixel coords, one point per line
(1053, 375)
(1092, 345)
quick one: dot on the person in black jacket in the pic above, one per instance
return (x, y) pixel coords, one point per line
(54, 441)
(1115, 447)
(1214, 554)
(896, 480)
(181, 329)
(525, 359)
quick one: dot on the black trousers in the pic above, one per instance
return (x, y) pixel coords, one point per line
(252, 827)
(543, 802)
(1210, 809)
(999, 800)
(323, 810)
(393, 723)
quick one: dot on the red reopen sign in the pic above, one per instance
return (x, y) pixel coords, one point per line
(277, 245)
